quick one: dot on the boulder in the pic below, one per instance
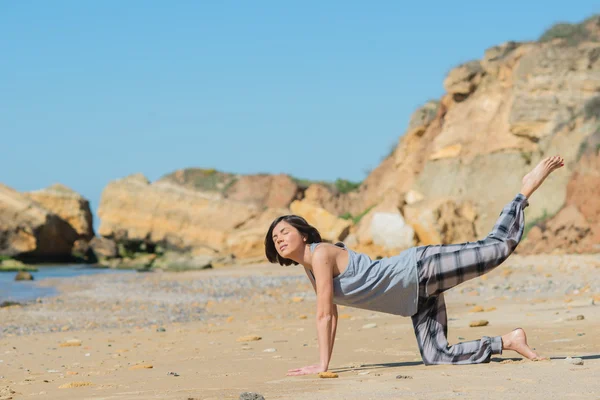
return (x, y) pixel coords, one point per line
(385, 228)
(29, 230)
(141, 261)
(82, 251)
(104, 248)
(23, 276)
(389, 230)
(69, 205)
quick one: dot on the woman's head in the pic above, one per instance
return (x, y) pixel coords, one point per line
(287, 236)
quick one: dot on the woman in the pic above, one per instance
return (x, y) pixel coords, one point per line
(411, 283)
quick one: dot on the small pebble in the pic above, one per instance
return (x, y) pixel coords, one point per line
(71, 343)
(141, 366)
(370, 326)
(161, 329)
(248, 338)
(271, 350)
(574, 361)
(403, 377)
(328, 374)
(173, 373)
(251, 396)
(482, 322)
(75, 385)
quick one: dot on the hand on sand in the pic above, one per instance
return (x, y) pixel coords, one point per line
(311, 369)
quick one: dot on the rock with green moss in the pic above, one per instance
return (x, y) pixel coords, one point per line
(23, 276)
(10, 265)
(573, 34)
(172, 261)
(104, 248)
(139, 261)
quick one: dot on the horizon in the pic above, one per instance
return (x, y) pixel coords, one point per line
(98, 92)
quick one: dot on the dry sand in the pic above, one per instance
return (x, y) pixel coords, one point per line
(177, 336)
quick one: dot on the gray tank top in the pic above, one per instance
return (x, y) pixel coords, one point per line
(389, 285)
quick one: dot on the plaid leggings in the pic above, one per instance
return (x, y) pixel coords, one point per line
(442, 267)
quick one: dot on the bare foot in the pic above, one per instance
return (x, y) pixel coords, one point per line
(517, 341)
(534, 179)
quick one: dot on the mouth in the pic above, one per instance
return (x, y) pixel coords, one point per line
(283, 247)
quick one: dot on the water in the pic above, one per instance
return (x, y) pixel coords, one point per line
(11, 290)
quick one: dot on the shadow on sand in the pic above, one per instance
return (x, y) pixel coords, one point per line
(366, 367)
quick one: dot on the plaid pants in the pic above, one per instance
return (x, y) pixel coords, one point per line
(442, 267)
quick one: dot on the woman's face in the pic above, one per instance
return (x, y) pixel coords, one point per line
(287, 239)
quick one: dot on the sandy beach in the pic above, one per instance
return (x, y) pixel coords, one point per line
(181, 336)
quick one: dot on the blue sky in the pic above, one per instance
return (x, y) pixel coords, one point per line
(91, 91)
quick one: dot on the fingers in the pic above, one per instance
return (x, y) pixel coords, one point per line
(296, 373)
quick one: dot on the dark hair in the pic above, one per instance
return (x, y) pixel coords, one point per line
(311, 234)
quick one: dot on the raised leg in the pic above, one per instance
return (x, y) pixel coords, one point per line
(442, 267)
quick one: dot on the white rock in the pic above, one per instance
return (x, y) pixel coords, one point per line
(391, 231)
(574, 361)
(271, 350)
(370, 326)
(412, 197)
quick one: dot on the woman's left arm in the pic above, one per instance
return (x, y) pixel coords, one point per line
(333, 328)
(326, 317)
(323, 270)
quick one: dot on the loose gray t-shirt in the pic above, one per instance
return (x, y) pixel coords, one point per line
(389, 285)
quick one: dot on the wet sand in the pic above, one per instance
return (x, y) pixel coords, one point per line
(177, 336)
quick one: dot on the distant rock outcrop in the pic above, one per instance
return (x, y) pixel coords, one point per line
(69, 205)
(29, 230)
